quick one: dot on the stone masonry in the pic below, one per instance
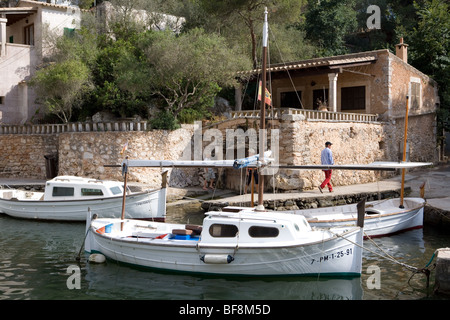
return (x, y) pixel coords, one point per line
(300, 142)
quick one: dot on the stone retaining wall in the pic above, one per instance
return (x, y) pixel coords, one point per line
(87, 153)
(23, 155)
(300, 142)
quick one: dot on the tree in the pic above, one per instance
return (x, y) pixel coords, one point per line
(65, 79)
(231, 17)
(61, 86)
(429, 51)
(184, 71)
(328, 22)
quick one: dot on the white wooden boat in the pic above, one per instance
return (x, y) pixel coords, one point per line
(382, 218)
(67, 198)
(242, 243)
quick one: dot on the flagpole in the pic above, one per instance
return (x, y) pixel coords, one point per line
(262, 119)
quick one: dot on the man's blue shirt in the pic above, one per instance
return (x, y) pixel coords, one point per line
(327, 156)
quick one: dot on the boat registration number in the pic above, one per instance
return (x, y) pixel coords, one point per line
(335, 255)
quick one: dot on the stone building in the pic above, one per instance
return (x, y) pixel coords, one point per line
(24, 33)
(373, 82)
(357, 101)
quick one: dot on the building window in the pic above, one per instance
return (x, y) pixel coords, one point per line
(29, 35)
(2, 100)
(291, 99)
(353, 98)
(11, 39)
(415, 94)
(69, 32)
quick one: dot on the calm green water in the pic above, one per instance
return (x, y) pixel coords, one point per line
(35, 258)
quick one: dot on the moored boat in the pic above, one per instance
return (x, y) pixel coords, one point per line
(236, 244)
(67, 198)
(382, 218)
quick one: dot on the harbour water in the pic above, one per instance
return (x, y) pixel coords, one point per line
(38, 262)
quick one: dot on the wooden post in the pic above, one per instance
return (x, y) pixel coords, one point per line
(402, 190)
(361, 208)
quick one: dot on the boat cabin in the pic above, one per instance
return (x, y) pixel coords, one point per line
(245, 227)
(79, 188)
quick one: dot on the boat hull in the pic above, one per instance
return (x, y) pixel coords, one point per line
(337, 256)
(144, 205)
(381, 220)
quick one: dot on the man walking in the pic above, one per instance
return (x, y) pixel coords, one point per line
(327, 159)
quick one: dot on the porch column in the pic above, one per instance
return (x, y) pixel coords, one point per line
(332, 98)
(238, 97)
(3, 36)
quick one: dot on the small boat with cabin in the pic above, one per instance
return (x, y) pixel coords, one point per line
(67, 198)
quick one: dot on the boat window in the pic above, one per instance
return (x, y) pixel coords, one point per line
(263, 232)
(115, 190)
(62, 192)
(223, 230)
(91, 192)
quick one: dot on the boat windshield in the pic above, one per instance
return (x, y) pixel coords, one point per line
(62, 192)
(115, 190)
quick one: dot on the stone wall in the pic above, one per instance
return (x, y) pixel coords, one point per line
(301, 143)
(87, 153)
(23, 155)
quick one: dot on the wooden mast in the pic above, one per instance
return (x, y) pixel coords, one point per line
(124, 196)
(262, 119)
(402, 190)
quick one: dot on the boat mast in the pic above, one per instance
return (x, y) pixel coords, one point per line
(262, 116)
(402, 191)
(124, 196)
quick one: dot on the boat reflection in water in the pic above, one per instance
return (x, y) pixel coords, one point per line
(112, 279)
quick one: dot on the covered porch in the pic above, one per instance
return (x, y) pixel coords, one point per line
(334, 84)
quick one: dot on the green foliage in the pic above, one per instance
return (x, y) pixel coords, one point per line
(127, 67)
(164, 120)
(61, 86)
(240, 21)
(327, 24)
(430, 48)
(184, 70)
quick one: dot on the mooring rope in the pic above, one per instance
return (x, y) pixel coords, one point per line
(389, 257)
(415, 270)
